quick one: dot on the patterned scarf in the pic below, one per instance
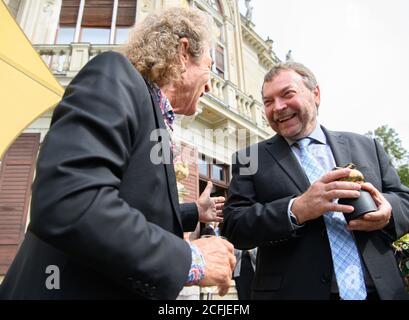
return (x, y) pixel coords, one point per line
(165, 107)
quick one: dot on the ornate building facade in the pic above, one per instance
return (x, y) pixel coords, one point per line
(68, 33)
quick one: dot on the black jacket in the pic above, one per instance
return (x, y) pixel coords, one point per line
(298, 265)
(101, 210)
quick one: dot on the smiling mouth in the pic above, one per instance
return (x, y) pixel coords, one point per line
(286, 118)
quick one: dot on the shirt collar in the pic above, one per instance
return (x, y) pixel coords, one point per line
(317, 135)
(164, 104)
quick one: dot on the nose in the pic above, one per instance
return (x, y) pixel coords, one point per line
(279, 105)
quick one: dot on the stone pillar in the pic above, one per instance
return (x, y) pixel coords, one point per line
(39, 20)
(232, 63)
(79, 57)
(230, 95)
(238, 36)
(28, 17)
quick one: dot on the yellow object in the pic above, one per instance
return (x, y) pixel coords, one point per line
(27, 87)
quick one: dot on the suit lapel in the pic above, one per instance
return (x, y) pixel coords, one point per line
(339, 146)
(169, 170)
(279, 149)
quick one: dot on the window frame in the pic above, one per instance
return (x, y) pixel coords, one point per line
(218, 20)
(79, 24)
(209, 177)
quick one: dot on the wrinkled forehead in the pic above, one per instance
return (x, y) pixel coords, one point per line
(283, 79)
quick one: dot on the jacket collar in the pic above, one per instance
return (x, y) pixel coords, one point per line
(279, 149)
(169, 169)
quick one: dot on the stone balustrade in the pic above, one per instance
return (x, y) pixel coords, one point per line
(65, 60)
(217, 86)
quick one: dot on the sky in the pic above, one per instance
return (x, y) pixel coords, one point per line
(357, 49)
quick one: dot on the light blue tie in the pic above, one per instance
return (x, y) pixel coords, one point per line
(347, 263)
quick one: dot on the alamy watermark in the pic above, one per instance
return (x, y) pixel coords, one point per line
(52, 282)
(214, 140)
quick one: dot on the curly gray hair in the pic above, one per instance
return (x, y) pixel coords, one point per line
(154, 43)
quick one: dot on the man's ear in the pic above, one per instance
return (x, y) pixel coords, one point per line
(184, 51)
(317, 95)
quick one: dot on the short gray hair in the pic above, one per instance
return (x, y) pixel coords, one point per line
(308, 77)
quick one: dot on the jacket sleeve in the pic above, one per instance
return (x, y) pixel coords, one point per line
(190, 216)
(249, 223)
(396, 194)
(76, 205)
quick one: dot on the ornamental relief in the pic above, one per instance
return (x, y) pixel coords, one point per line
(48, 6)
(147, 6)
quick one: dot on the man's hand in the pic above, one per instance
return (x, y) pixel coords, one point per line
(318, 199)
(210, 208)
(374, 220)
(220, 262)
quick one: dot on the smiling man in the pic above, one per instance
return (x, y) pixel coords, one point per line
(104, 215)
(289, 209)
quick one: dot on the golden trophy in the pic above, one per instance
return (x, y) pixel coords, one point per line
(362, 205)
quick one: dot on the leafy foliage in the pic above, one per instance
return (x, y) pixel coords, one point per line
(400, 160)
(389, 139)
(403, 172)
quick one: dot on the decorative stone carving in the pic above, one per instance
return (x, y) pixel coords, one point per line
(147, 6)
(48, 6)
(249, 12)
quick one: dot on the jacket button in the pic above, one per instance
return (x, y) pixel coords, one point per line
(325, 278)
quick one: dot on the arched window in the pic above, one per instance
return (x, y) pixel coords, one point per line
(96, 21)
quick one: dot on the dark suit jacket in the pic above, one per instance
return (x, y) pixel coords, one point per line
(298, 265)
(101, 210)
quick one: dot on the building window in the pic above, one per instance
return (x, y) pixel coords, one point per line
(203, 168)
(96, 21)
(218, 173)
(216, 5)
(218, 50)
(209, 170)
(65, 35)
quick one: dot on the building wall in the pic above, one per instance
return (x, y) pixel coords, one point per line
(253, 72)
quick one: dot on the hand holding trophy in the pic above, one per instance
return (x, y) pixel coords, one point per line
(364, 204)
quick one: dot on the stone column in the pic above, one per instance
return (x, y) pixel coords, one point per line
(39, 20)
(79, 57)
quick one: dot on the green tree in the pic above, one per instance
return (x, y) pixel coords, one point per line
(390, 140)
(400, 159)
(403, 172)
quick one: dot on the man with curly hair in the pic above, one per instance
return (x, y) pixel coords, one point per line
(104, 213)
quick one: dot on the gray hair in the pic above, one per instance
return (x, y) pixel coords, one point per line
(154, 43)
(308, 77)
